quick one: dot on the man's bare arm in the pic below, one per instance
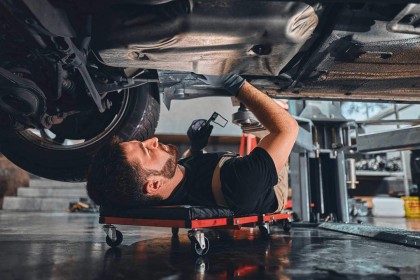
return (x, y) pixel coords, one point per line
(282, 127)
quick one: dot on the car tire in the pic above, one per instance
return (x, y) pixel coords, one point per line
(137, 118)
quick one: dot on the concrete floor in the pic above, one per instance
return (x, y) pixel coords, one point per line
(72, 246)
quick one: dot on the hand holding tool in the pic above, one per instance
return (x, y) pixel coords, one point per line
(198, 133)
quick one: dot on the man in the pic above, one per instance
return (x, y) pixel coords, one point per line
(135, 173)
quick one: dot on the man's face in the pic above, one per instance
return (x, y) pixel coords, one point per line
(153, 155)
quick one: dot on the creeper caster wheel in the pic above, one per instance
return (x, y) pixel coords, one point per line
(114, 237)
(196, 248)
(200, 245)
(265, 231)
(287, 225)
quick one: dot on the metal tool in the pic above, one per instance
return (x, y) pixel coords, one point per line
(217, 119)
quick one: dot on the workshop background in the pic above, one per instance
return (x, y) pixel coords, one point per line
(52, 212)
(380, 175)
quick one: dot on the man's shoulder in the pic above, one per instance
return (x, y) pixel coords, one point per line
(206, 155)
(258, 158)
(205, 159)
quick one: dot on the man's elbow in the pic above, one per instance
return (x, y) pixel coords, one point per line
(293, 129)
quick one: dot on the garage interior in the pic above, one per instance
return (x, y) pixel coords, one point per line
(75, 73)
(335, 234)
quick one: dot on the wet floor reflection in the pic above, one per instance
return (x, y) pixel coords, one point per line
(232, 254)
(243, 254)
(38, 246)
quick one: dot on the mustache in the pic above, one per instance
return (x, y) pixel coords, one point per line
(172, 149)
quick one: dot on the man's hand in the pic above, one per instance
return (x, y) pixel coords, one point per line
(231, 82)
(198, 134)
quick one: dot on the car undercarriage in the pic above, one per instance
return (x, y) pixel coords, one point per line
(75, 73)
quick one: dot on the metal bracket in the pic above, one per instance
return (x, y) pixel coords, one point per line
(181, 86)
(304, 141)
(198, 236)
(76, 58)
(112, 229)
(267, 227)
(407, 21)
(402, 138)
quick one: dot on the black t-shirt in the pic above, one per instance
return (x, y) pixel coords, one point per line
(247, 182)
(195, 188)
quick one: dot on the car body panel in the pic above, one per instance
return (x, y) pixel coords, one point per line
(216, 37)
(327, 50)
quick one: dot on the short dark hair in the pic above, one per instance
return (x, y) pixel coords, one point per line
(113, 181)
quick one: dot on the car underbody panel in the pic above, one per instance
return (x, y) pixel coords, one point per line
(340, 51)
(215, 37)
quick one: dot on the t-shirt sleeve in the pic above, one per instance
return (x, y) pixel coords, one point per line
(245, 179)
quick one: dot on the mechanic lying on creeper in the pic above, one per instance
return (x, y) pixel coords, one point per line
(136, 173)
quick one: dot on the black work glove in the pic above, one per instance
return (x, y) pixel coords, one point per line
(199, 135)
(231, 82)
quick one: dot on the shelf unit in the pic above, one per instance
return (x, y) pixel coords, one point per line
(370, 173)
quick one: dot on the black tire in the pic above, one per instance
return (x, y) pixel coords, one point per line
(264, 232)
(198, 250)
(287, 225)
(136, 118)
(117, 242)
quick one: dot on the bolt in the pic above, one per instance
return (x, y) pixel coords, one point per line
(67, 84)
(261, 49)
(107, 103)
(323, 77)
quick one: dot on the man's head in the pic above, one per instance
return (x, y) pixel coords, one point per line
(129, 174)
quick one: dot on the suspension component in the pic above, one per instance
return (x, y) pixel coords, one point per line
(71, 55)
(21, 98)
(246, 120)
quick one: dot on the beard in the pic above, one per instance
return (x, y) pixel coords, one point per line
(169, 169)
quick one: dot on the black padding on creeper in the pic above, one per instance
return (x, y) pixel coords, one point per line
(177, 212)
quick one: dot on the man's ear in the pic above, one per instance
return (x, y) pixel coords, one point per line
(153, 185)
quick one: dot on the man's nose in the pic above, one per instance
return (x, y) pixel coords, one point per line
(152, 142)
